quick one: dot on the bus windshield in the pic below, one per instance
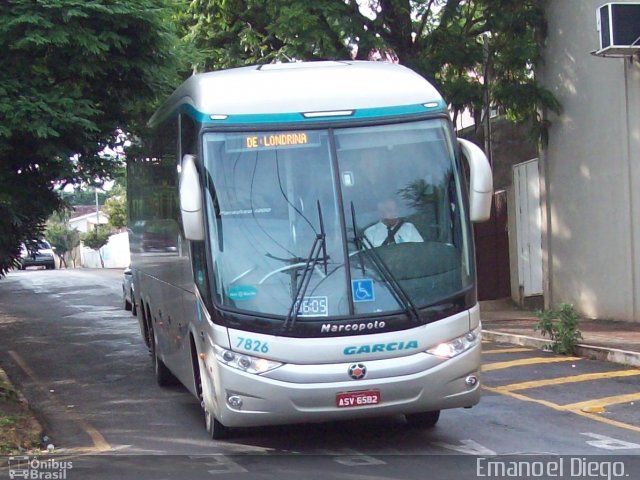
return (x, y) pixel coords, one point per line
(386, 201)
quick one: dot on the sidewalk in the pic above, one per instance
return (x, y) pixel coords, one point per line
(609, 340)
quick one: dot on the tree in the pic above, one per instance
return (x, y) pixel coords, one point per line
(63, 239)
(74, 75)
(83, 196)
(116, 207)
(454, 43)
(96, 239)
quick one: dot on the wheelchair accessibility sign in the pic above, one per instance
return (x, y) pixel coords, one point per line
(362, 290)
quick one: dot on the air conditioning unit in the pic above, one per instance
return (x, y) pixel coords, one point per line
(618, 24)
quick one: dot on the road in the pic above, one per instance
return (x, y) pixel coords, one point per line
(79, 358)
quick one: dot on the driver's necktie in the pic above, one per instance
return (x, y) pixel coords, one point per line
(390, 236)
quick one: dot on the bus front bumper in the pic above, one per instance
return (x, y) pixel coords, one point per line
(246, 400)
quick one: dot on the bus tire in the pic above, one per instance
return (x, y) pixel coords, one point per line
(215, 429)
(164, 377)
(423, 419)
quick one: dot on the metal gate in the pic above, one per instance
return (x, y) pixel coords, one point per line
(526, 182)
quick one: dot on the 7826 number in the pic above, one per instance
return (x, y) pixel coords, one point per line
(252, 345)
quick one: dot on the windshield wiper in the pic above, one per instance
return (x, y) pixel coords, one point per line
(397, 291)
(356, 240)
(318, 248)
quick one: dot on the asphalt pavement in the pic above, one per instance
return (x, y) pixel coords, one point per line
(67, 342)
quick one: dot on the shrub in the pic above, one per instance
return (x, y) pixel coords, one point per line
(562, 328)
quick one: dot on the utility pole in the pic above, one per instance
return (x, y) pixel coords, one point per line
(95, 189)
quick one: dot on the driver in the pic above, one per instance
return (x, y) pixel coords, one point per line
(391, 228)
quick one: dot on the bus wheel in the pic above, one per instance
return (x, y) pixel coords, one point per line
(424, 419)
(215, 429)
(164, 377)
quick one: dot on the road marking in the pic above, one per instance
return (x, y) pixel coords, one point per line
(22, 364)
(601, 402)
(570, 379)
(560, 408)
(99, 442)
(470, 447)
(354, 458)
(221, 464)
(507, 350)
(489, 367)
(609, 443)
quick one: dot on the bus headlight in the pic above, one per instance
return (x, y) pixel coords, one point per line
(458, 345)
(246, 363)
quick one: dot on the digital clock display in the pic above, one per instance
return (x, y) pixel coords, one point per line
(317, 306)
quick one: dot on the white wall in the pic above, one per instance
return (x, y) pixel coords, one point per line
(115, 254)
(590, 169)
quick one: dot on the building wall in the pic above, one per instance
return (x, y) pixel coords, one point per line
(86, 222)
(590, 169)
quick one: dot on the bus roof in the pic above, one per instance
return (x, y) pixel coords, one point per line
(298, 88)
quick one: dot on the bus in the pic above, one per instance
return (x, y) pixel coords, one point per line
(302, 248)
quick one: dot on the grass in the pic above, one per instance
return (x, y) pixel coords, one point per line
(19, 430)
(7, 391)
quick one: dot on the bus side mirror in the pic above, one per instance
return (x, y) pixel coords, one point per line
(191, 200)
(481, 184)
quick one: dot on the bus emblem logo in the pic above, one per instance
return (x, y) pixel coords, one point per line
(357, 371)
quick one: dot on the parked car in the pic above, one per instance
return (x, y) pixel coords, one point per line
(127, 291)
(37, 254)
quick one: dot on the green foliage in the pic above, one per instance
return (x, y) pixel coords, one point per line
(74, 75)
(7, 391)
(562, 328)
(63, 239)
(96, 239)
(10, 420)
(444, 40)
(82, 196)
(116, 207)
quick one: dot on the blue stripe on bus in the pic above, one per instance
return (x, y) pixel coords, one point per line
(267, 118)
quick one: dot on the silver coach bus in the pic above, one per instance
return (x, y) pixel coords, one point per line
(301, 245)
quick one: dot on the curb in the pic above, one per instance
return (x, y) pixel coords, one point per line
(613, 355)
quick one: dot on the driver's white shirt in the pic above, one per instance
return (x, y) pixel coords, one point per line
(407, 232)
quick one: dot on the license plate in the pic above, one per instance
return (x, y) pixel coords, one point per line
(357, 399)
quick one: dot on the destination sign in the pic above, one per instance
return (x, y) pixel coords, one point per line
(272, 140)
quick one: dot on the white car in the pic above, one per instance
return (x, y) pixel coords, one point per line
(127, 291)
(41, 256)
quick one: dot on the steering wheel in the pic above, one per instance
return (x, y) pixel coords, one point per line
(286, 268)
